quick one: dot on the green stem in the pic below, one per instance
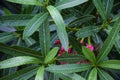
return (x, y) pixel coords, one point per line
(72, 29)
(104, 25)
(89, 42)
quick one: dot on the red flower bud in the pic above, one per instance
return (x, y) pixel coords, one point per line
(57, 41)
(69, 50)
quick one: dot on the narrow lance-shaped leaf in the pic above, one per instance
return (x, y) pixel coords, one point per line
(15, 20)
(34, 24)
(49, 57)
(66, 76)
(90, 9)
(23, 74)
(19, 51)
(93, 74)
(40, 73)
(53, 76)
(100, 8)
(114, 64)
(7, 11)
(89, 54)
(30, 41)
(81, 20)
(68, 68)
(69, 3)
(63, 76)
(108, 7)
(5, 37)
(62, 34)
(116, 17)
(27, 2)
(87, 31)
(44, 37)
(77, 77)
(104, 75)
(17, 61)
(104, 51)
(72, 58)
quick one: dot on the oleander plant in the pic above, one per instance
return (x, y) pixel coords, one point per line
(59, 40)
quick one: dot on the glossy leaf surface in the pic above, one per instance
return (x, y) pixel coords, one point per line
(69, 3)
(89, 54)
(34, 24)
(61, 31)
(28, 2)
(49, 57)
(114, 64)
(68, 68)
(17, 61)
(44, 37)
(40, 73)
(87, 31)
(104, 51)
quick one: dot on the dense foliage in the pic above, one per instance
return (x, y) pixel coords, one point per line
(59, 39)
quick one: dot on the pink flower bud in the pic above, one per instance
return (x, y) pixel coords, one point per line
(91, 47)
(62, 48)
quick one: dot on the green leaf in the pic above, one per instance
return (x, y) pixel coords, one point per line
(89, 9)
(30, 41)
(108, 7)
(34, 24)
(76, 77)
(68, 68)
(89, 54)
(63, 76)
(104, 51)
(40, 73)
(82, 19)
(53, 76)
(114, 64)
(17, 61)
(19, 51)
(87, 31)
(74, 42)
(69, 3)
(100, 8)
(70, 58)
(104, 75)
(44, 37)
(6, 37)
(23, 74)
(49, 57)
(62, 34)
(117, 41)
(15, 19)
(27, 2)
(27, 9)
(116, 17)
(7, 11)
(73, 76)
(93, 74)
